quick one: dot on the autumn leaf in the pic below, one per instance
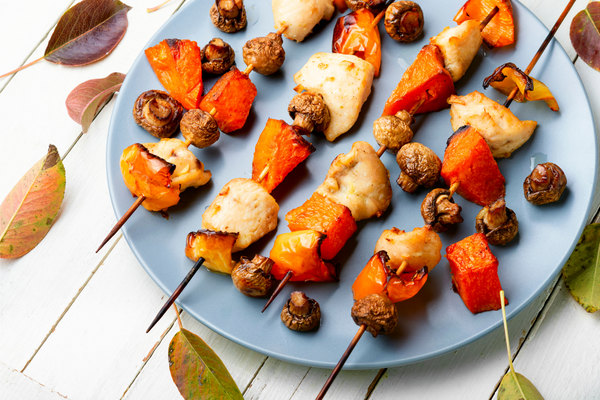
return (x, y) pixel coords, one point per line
(585, 34)
(28, 211)
(581, 273)
(197, 371)
(86, 33)
(84, 102)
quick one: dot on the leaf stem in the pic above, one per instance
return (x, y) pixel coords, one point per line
(14, 71)
(512, 368)
(178, 317)
(157, 7)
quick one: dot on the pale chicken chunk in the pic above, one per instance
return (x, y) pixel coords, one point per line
(419, 248)
(344, 81)
(459, 45)
(360, 181)
(244, 207)
(500, 128)
(189, 171)
(300, 16)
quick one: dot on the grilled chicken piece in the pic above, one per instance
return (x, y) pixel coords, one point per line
(344, 81)
(459, 45)
(189, 170)
(301, 16)
(500, 128)
(244, 207)
(360, 181)
(419, 248)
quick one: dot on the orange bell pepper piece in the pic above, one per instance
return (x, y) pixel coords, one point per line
(373, 278)
(149, 175)
(425, 79)
(355, 34)
(178, 66)
(500, 31)
(280, 148)
(215, 247)
(406, 285)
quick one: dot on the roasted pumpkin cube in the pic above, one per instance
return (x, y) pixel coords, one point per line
(148, 175)
(281, 149)
(373, 278)
(323, 215)
(406, 285)
(178, 66)
(300, 252)
(232, 97)
(500, 31)
(475, 273)
(215, 247)
(426, 79)
(469, 161)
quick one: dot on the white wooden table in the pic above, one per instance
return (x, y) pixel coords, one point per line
(72, 322)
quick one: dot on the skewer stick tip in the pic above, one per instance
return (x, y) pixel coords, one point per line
(248, 69)
(281, 285)
(122, 221)
(453, 189)
(381, 150)
(263, 174)
(282, 29)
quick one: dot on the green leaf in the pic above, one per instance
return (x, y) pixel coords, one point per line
(515, 386)
(197, 371)
(585, 34)
(29, 210)
(581, 273)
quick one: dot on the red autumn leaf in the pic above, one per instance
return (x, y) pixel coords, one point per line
(585, 34)
(84, 102)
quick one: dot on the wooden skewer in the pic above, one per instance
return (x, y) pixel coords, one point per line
(283, 282)
(378, 18)
(412, 112)
(282, 29)
(122, 221)
(453, 189)
(248, 69)
(489, 17)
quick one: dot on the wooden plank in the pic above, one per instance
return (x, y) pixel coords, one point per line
(276, 380)
(348, 384)
(15, 385)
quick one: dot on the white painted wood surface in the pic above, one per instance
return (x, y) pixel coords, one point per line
(72, 322)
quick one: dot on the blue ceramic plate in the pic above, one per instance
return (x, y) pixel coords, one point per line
(436, 320)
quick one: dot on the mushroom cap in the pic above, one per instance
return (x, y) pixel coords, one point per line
(301, 313)
(200, 128)
(158, 113)
(227, 25)
(501, 234)
(440, 211)
(314, 111)
(393, 131)
(545, 184)
(420, 164)
(375, 5)
(404, 21)
(265, 54)
(253, 277)
(217, 57)
(377, 312)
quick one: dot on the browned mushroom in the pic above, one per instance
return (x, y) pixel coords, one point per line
(419, 165)
(309, 112)
(253, 277)
(545, 184)
(375, 5)
(199, 128)
(497, 222)
(440, 211)
(265, 54)
(377, 312)
(404, 21)
(301, 313)
(228, 15)
(158, 113)
(393, 131)
(217, 57)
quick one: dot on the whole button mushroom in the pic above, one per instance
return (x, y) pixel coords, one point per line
(545, 184)
(377, 312)
(404, 21)
(419, 165)
(497, 222)
(309, 112)
(158, 113)
(228, 15)
(301, 313)
(440, 211)
(374, 5)
(265, 54)
(253, 278)
(199, 128)
(218, 57)
(393, 131)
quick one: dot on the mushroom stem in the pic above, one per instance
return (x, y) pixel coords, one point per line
(489, 17)
(342, 361)
(283, 282)
(177, 292)
(122, 221)
(263, 174)
(248, 69)
(282, 29)
(453, 189)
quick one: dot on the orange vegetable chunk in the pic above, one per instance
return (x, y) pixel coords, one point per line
(300, 252)
(425, 79)
(355, 34)
(232, 97)
(280, 148)
(323, 215)
(406, 285)
(215, 247)
(500, 31)
(373, 278)
(149, 175)
(468, 160)
(475, 273)
(178, 66)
